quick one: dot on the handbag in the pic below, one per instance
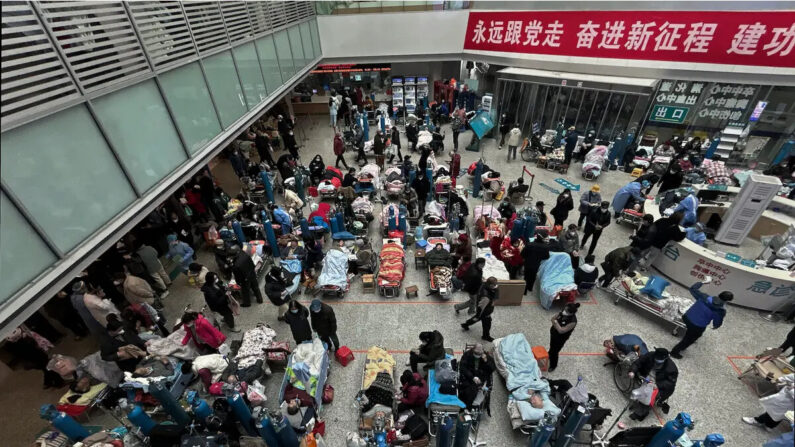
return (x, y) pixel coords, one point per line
(320, 427)
(234, 306)
(328, 394)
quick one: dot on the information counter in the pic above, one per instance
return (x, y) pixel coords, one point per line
(761, 288)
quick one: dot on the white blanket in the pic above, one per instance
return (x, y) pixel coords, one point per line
(215, 363)
(172, 346)
(496, 268)
(310, 354)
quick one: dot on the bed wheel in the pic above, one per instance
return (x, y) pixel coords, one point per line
(675, 331)
(616, 300)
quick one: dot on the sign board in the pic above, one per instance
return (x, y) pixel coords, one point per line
(668, 114)
(758, 38)
(486, 102)
(760, 107)
(348, 68)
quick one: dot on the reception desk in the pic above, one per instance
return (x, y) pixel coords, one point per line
(760, 288)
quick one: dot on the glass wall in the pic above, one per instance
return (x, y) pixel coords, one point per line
(75, 170)
(605, 112)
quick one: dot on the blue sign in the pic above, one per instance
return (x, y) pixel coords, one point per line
(567, 184)
(733, 257)
(748, 263)
(549, 188)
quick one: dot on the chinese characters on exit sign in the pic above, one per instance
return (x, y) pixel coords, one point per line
(715, 37)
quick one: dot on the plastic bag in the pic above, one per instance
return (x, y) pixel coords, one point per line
(256, 394)
(353, 440)
(645, 394)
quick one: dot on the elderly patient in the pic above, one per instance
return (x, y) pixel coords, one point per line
(439, 257)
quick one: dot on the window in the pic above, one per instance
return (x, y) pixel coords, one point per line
(297, 48)
(24, 254)
(285, 55)
(225, 87)
(315, 38)
(306, 41)
(64, 173)
(250, 74)
(148, 156)
(190, 101)
(269, 63)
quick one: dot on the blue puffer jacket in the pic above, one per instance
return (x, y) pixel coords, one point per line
(706, 309)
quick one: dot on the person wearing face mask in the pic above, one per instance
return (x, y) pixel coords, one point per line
(533, 253)
(540, 214)
(475, 369)
(631, 192)
(431, 349)
(658, 366)
(181, 228)
(707, 309)
(563, 205)
(291, 144)
(563, 324)
(421, 185)
(204, 335)
(570, 242)
(181, 250)
(485, 307)
(324, 322)
(297, 317)
(215, 295)
(588, 202)
(598, 219)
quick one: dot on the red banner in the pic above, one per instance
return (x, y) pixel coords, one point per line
(736, 38)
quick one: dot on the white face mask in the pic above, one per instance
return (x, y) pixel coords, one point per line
(295, 311)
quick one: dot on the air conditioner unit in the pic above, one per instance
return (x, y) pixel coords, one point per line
(754, 197)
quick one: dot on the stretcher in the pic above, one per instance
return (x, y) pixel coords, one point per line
(631, 217)
(333, 279)
(623, 291)
(391, 268)
(440, 405)
(378, 360)
(317, 381)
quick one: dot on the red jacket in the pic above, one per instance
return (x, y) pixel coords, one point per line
(208, 334)
(195, 201)
(339, 147)
(415, 395)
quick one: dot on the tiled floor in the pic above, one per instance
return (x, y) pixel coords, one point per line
(707, 388)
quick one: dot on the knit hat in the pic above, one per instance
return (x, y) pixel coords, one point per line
(315, 306)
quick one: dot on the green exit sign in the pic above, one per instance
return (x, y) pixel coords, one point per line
(668, 114)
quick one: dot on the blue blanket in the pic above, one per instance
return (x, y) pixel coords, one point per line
(335, 270)
(435, 397)
(524, 377)
(555, 273)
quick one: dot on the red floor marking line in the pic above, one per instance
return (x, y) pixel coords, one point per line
(438, 303)
(582, 354)
(662, 421)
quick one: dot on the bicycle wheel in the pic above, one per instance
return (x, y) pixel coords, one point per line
(621, 377)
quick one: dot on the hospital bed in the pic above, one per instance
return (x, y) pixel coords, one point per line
(314, 356)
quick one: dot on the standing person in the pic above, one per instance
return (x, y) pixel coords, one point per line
(412, 135)
(379, 144)
(511, 254)
(661, 232)
(505, 127)
(597, 221)
(563, 324)
(339, 150)
(456, 126)
(422, 186)
(588, 202)
(665, 372)
(181, 228)
(215, 295)
(246, 275)
(276, 291)
(472, 281)
(60, 308)
(707, 309)
(263, 144)
(345, 110)
(92, 307)
(136, 290)
(563, 205)
(616, 261)
(204, 335)
(571, 143)
(672, 179)
(324, 322)
(533, 253)
(181, 250)
(396, 142)
(31, 347)
(630, 191)
(514, 140)
(291, 145)
(284, 125)
(297, 318)
(154, 267)
(333, 106)
(776, 405)
(570, 242)
(486, 296)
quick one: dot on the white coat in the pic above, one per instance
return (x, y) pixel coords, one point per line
(514, 137)
(783, 401)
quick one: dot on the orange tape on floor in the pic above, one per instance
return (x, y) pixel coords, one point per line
(437, 303)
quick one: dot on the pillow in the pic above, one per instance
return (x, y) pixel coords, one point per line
(654, 287)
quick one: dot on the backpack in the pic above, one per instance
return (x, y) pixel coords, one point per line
(444, 372)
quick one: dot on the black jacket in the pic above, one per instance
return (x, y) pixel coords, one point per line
(671, 180)
(349, 180)
(299, 324)
(324, 322)
(533, 253)
(396, 137)
(473, 279)
(581, 276)
(506, 209)
(274, 290)
(422, 186)
(562, 207)
(665, 230)
(617, 260)
(215, 297)
(108, 347)
(665, 377)
(597, 216)
(489, 294)
(434, 349)
(468, 370)
(243, 268)
(378, 144)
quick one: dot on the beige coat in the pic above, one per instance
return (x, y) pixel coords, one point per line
(138, 291)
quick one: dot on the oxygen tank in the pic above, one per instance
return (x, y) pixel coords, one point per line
(266, 181)
(63, 423)
(462, 428)
(169, 403)
(445, 431)
(140, 419)
(266, 431)
(672, 430)
(241, 410)
(284, 432)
